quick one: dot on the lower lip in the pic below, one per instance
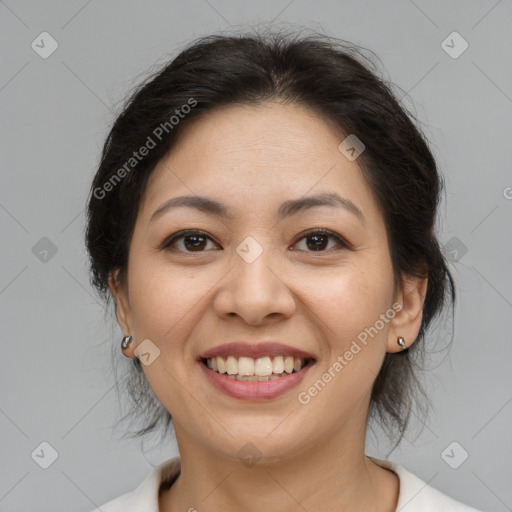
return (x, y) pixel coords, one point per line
(254, 390)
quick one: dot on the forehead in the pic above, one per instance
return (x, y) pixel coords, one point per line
(266, 131)
(255, 154)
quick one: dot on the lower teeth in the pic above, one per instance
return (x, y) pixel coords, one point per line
(254, 378)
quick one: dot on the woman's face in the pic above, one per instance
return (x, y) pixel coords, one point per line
(261, 273)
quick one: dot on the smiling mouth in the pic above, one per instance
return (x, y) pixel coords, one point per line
(261, 369)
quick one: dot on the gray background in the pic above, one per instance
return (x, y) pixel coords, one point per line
(56, 381)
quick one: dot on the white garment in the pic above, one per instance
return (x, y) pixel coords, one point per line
(414, 496)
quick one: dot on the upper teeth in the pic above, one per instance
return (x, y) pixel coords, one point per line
(261, 366)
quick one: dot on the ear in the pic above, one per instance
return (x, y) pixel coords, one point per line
(407, 321)
(120, 293)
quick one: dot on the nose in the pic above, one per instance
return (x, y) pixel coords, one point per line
(256, 291)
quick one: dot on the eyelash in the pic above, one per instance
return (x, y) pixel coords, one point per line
(167, 244)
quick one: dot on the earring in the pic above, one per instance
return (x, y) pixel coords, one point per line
(401, 342)
(125, 343)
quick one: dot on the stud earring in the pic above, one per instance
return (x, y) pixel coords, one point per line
(125, 343)
(401, 342)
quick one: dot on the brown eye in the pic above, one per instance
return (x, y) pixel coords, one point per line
(189, 241)
(318, 240)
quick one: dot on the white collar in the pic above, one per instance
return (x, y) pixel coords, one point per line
(415, 495)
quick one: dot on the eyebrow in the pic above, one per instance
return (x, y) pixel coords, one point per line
(287, 208)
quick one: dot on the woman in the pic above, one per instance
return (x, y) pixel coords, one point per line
(263, 217)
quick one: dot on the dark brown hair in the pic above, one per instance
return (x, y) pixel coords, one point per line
(335, 79)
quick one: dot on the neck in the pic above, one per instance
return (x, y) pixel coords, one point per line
(334, 476)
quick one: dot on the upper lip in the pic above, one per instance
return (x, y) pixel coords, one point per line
(255, 350)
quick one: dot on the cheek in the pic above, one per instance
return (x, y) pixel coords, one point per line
(349, 309)
(165, 304)
(162, 299)
(350, 301)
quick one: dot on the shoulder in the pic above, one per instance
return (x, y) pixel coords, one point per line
(418, 496)
(121, 503)
(145, 497)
